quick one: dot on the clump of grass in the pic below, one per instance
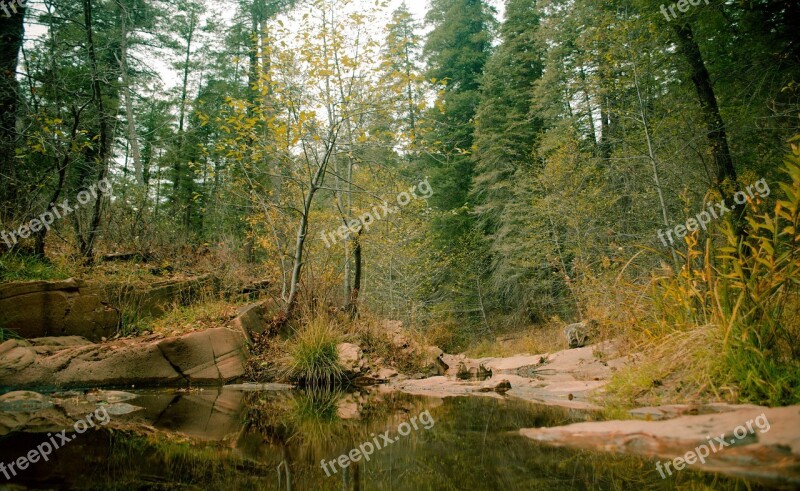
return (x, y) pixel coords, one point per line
(313, 358)
(6, 334)
(20, 267)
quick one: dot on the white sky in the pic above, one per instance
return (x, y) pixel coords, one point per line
(227, 8)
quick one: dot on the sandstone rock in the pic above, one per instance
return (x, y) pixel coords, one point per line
(433, 360)
(351, 357)
(121, 409)
(348, 408)
(387, 373)
(250, 320)
(159, 297)
(770, 451)
(469, 369)
(42, 308)
(214, 356)
(501, 387)
(24, 401)
(109, 396)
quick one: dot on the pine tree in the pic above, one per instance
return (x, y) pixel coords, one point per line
(505, 137)
(457, 50)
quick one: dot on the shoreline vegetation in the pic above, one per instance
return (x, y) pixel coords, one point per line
(590, 205)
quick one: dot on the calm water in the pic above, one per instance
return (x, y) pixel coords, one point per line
(230, 439)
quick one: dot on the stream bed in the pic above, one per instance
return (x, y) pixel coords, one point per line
(243, 438)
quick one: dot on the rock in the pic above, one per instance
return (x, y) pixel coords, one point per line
(253, 319)
(433, 360)
(542, 379)
(24, 402)
(502, 387)
(351, 357)
(468, 369)
(675, 410)
(157, 298)
(770, 451)
(121, 409)
(15, 357)
(387, 373)
(210, 356)
(579, 334)
(110, 396)
(253, 387)
(347, 408)
(58, 308)
(214, 356)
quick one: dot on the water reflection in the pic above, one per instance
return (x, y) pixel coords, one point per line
(233, 439)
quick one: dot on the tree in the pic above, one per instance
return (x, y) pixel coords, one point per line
(12, 31)
(456, 50)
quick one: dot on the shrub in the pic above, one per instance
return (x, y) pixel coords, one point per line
(749, 290)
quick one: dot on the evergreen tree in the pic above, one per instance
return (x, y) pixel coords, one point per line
(505, 137)
(457, 50)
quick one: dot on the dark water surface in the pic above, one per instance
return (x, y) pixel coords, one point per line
(233, 439)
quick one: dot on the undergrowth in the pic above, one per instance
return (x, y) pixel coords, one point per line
(725, 327)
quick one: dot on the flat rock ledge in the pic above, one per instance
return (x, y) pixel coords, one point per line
(770, 452)
(566, 378)
(210, 357)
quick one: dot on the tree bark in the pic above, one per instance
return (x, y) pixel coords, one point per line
(104, 151)
(302, 231)
(12, 32)
(352, 303)
(136, 153)
(717, 135)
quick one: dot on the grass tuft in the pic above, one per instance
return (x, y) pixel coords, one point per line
(313, 359)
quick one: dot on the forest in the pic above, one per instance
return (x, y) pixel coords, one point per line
(467, 175)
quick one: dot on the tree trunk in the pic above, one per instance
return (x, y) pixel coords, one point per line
(717, 136)
(136, 153)
(352, 303)
(63, 165)
(302, 230)
(12, 32)
(177, 175)
(104, 145)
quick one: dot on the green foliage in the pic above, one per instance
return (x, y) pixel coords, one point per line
(313, 359)
(748, 288)
(757, 294)
(18, 267)
(457, 50)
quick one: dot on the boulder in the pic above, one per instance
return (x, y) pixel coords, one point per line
(254, 319)
(24, 401)
(157, 298)
(387, 373)
(434, 361)
(212, 357)
(758, 442)
(57, 308)
(351, 357)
